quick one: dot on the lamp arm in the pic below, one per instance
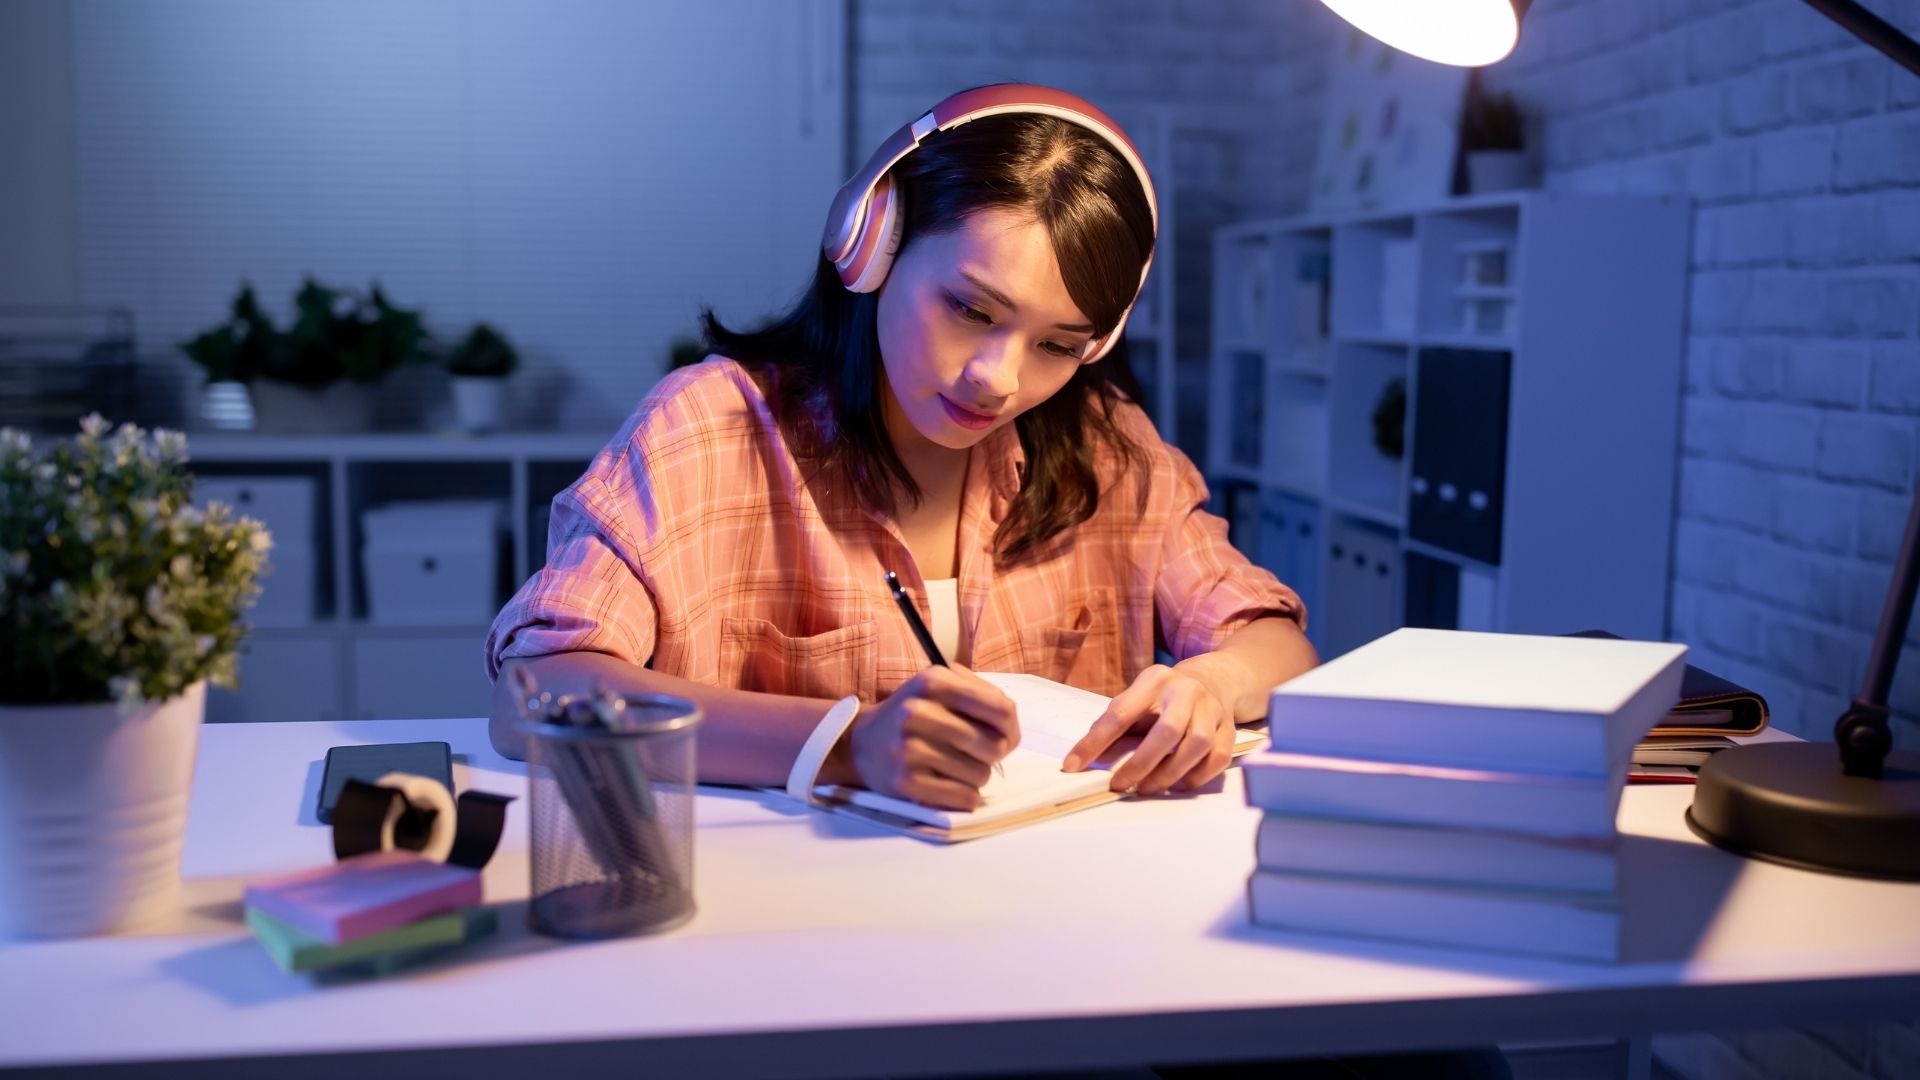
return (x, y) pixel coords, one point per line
(1861, 731)
(1871, 29)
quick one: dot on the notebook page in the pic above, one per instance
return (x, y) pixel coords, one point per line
(1032, 781)
(1053, 716)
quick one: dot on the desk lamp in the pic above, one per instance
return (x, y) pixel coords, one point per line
(1788, 803)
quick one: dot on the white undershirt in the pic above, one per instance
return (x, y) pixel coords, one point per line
(943, 598)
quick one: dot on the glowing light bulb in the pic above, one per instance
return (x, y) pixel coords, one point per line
(1465, 33)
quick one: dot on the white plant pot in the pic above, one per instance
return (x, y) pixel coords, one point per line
(478, 402)
(1497, 170)
(283, 408)
(93, 813)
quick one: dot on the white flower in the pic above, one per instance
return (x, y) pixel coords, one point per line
(93, 425)
(171, 445)
(15, 441)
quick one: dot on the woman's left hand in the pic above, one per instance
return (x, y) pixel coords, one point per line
(1188, 733)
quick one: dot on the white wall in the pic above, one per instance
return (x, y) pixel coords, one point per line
(584, 175)
(1242, 79)
(36, 155)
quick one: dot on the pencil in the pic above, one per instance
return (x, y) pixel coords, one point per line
(919, 628)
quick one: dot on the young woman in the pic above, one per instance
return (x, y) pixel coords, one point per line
(958, 411)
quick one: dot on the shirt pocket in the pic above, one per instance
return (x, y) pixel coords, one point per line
(756, 655)
(1077, 646)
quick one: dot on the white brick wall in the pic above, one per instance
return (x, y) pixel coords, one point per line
(1801, 148)
(1244, 77)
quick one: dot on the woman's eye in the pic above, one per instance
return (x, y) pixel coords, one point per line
(970, 314)
(1058, 349)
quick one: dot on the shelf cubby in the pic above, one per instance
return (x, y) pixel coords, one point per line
(1469, 261)
(1572, 457)
(1365, 377)
(339, 665)
(1296, 450)
(1374, 276)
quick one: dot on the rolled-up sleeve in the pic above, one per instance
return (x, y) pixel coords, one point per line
(1206, 589)
(588, 597)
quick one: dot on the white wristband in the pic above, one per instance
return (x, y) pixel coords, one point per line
(813, 754)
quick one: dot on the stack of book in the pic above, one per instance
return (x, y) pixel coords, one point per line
(380, 909)
(1456, 788)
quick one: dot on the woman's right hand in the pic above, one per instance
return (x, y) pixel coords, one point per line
(935, 740)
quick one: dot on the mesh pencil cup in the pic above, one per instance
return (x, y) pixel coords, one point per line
(612, 820)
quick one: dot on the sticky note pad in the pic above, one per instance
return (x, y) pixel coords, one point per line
(365, 894)
(296, 950)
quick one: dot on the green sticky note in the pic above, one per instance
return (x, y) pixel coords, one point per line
(296, 950)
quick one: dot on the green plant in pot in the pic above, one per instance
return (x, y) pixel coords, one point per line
(480, 363)
(240, 348)
(119, 602)
(317, 375)
(1493, 139)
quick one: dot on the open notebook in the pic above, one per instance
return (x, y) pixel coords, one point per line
(1053, 717)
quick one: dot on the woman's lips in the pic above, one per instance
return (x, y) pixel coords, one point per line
(972, 421)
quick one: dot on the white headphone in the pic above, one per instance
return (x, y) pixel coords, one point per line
(866, 219)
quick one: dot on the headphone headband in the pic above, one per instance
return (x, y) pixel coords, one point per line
(865, 221)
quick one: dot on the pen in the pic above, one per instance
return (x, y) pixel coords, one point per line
(920, 631)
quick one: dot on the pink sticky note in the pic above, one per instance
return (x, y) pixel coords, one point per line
(363, 895)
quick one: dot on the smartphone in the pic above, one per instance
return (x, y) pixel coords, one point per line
(371, 762)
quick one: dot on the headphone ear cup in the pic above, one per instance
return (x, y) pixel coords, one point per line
(879, 240)
(1105, 345)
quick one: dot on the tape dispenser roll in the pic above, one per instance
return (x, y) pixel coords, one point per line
(407, 812)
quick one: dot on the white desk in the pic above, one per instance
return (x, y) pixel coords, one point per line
(822, 948)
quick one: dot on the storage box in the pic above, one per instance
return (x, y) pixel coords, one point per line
(1399, 273)
(431, 563)
(285, 505)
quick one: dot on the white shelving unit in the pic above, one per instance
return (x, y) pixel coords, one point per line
(340, 665)
(1538, 340)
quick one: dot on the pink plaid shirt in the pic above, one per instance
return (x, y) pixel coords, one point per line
(692, 545)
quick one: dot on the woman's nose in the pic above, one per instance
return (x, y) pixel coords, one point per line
(995, 369)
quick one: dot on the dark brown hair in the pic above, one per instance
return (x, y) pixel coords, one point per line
(822, 358)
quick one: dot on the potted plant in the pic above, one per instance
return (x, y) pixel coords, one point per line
(231, 353)
(1493, 139)
(1390, 419)
(318, 375)
(480, 364)
(119, 602)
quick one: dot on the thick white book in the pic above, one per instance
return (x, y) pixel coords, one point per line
(1421, 853)
(1053, 717)
(1357, 789)
(1530, 923)
(1509, 702)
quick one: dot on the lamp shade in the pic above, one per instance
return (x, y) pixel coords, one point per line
(1464, 33)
